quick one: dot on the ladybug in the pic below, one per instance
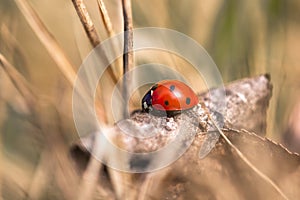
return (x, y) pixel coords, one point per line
(170, 97)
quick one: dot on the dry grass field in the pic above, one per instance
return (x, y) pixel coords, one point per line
(244, 38)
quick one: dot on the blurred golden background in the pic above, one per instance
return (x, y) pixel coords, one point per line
(244, 38)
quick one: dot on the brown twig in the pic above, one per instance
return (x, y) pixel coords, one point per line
(47, 39)
(127, 52)
(110, 31)
(51, 45)
(91, 32)
(255, 169)
(86, 22)
(91, 174)
(90, 177)
(105, 18)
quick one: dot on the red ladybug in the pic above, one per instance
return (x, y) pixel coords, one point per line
(169, 96)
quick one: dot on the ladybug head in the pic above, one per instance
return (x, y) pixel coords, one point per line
(147, 102)
(147, 99)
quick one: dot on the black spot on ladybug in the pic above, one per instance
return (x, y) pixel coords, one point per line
(172, 87)
(188, 101)
(166, 103)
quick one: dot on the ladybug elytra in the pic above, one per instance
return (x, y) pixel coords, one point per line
(170, 96)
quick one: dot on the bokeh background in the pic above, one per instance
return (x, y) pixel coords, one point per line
(244, 38)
